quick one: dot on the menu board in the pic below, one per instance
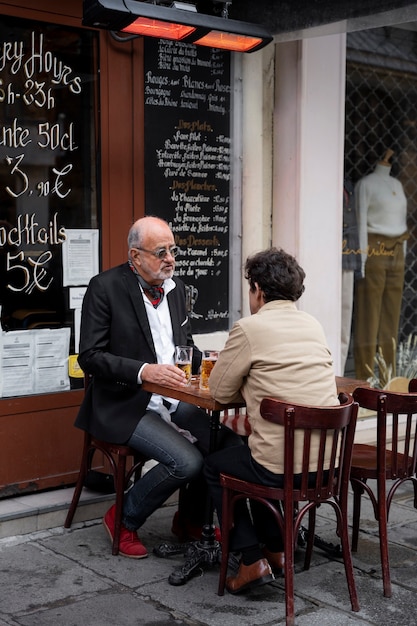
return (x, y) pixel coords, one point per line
(187, 95)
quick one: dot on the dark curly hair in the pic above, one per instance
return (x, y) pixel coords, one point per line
(277, 274)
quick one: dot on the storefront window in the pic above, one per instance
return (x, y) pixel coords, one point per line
(381, 168)
(49, 216)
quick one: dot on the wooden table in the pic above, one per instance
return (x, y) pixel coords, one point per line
(348, 385)
(194, 395)
(191, 394)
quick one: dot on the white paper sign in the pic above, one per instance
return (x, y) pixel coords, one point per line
(76, 297)
(16, 363)
(34, 361)
(80, 256)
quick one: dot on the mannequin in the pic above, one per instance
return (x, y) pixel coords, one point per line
(382, 217)
(351, 264)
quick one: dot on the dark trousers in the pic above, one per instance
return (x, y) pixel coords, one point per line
(238, 462)
(179, 464)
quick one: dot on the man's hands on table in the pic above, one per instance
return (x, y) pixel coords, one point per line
(164, 375)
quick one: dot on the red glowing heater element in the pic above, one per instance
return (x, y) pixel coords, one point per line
(156, 28)
(180, 24)
(228, 41)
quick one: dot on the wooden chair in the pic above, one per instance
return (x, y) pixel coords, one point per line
(412, 385)
(392, 459)
(117, 456)
(334, 430)
(237, 420)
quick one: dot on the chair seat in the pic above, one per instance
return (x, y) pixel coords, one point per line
(113, 448)
(364, 462)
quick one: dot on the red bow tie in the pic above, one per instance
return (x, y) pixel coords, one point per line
(155, 295)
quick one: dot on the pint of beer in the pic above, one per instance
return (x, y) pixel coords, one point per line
(183, 358)
(207, 364)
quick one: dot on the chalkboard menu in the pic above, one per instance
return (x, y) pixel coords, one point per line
(187, 95)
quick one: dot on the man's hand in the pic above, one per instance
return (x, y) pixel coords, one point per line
(164, 374)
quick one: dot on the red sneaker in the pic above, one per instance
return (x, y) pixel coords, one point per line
(186, 531)
(129, 544)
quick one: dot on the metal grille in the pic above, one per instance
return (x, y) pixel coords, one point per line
(381, 113)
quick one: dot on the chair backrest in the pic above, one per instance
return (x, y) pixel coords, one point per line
(412, 385)
(322, 438)
(396, 427)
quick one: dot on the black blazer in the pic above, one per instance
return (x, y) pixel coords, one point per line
(115, 341)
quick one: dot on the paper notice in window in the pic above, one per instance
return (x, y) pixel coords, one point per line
(51, 360)
(34, 361)
(80, 256)
(17, 354)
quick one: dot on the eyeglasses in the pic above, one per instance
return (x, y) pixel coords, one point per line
(161, 253)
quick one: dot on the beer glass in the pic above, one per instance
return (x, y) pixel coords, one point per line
(183, 359)
(207, 364)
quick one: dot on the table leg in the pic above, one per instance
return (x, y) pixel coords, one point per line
(207, 551)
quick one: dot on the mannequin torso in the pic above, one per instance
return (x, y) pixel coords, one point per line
(381, 206)
(382, 197)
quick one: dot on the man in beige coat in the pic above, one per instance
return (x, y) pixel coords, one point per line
(281, 352)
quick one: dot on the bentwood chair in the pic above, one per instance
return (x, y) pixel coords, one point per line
(237, 420)
(117, 456)
(323, 438)
(393, 459)
(412, 385)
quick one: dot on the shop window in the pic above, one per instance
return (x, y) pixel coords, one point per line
(49, 216)
(381, 133)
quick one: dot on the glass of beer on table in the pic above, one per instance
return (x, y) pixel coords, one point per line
(183, 359)
(207, 364)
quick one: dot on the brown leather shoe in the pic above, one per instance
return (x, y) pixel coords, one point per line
(248, 576)
(275, 559)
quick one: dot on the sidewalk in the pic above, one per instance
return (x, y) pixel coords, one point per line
(69, 578)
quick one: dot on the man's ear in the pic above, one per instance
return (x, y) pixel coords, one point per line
(134, 254)
(259, 294)
(258, 291)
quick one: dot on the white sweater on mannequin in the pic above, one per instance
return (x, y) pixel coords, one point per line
(381, 207)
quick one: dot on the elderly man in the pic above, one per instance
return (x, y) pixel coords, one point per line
(133, 316)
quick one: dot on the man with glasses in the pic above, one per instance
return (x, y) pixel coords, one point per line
(132, 318)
